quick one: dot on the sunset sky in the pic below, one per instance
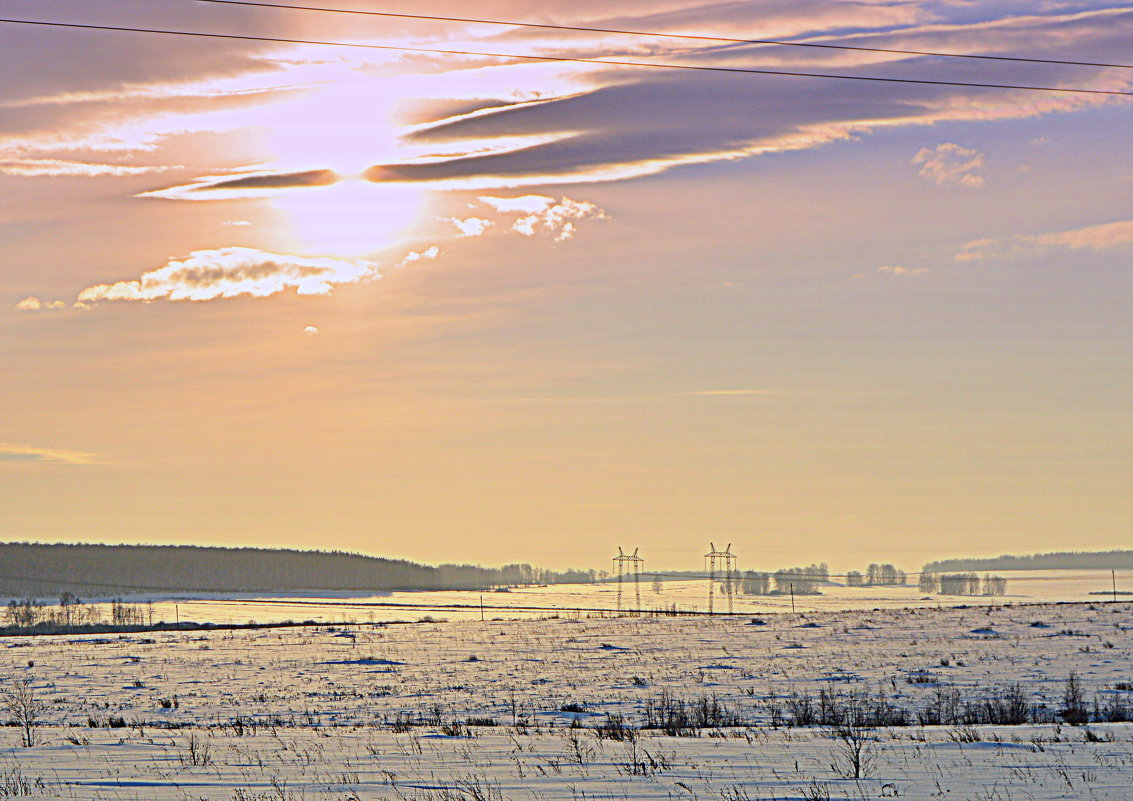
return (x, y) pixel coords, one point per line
(472, 308)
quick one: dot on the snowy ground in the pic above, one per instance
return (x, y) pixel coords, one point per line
(378, 712)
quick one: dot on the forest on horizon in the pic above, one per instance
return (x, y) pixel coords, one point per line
(44, 570)
(1056, 560)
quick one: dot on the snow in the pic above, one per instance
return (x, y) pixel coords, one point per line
(307, 713)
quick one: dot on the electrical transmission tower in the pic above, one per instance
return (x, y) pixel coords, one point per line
(626, 565)
(720, 566)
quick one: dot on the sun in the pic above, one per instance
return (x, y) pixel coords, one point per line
(344, 122)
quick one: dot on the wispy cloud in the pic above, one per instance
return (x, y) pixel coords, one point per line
(614, 122)
(249, 184)
(1094, 237)
(231, 272)
(10, 452)
(898, 270)
(729, 392)
(63, 168)
(1091, 237)
(949, 163)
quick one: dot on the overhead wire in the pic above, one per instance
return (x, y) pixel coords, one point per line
(660, 35)
(569, 59)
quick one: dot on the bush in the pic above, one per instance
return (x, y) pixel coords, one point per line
(614, 727)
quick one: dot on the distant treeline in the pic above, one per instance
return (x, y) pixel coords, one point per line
(47, 570)
(1059, 560)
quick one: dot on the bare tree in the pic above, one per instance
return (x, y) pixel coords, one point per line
(854, 755)
(26, 710)
(67, 603)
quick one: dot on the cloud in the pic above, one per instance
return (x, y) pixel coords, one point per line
(311, 329)
(546, 215)
(975, 250)
(33, 303)
(559, 218)
(526, 204)
(614, 122)
(470, 226)
(949, 163)
(1091, 237)
(30, 304)
(274, 180)
(230, 272)
(594, 122)
(63, 168)
(892, 269)
(1094, 237)
(10, 452)
(247, 185)
(413, 255)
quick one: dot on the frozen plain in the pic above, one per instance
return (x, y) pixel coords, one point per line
(363, 711)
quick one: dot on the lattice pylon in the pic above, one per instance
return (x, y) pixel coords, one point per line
(714, 561)
(633, 562)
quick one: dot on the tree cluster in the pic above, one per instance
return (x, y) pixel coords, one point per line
(962, 584)
(797, 580)
(71, 612)
(877, 575)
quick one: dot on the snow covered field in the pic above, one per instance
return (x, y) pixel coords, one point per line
(407, 711)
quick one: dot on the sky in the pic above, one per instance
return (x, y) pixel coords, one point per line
(454, 307)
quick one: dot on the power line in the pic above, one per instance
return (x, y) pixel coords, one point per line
(565, 59)
(656, 34)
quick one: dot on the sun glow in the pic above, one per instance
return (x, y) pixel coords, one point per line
(309, 151)
(351, 218)
(341, 124)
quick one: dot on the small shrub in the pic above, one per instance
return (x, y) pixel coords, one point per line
(816, 791)
(614, 727)
(197, 753)
(25, 708)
